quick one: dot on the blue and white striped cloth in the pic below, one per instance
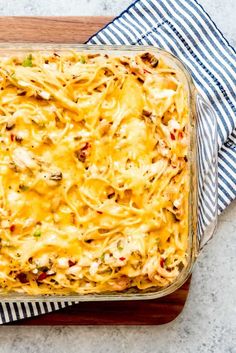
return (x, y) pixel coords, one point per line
(185, 29)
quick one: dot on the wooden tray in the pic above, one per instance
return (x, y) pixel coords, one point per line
(149, 312)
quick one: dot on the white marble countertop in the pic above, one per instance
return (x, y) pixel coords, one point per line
(208, 321)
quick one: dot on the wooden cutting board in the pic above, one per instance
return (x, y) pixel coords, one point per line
(148, 312)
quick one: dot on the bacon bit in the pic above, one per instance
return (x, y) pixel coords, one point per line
(18, 139)
(146, 113)
(23, 93)
(111, 195)
(86, 146)
(172, 136)
(81, 156)
(149, 58)
(12, 137)
(82, 153)
(12, 228)
(22, 278)
(71, 263)
(42, 276)
(140, 79)
(122, 258)
(181, 135)
(162, 262)
(10, 126)
(99, 212)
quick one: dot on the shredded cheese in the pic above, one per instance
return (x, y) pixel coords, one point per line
(94, 175)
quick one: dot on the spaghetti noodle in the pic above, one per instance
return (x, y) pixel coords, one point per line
(93, 173)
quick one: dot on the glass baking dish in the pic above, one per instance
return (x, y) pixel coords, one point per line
(202, 157)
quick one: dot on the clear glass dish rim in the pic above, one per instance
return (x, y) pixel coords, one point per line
(193, 241)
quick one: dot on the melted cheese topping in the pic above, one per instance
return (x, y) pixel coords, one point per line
(93, 173)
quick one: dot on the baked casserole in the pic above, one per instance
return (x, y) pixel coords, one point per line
(94, 175)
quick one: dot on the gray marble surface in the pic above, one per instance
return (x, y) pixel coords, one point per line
(208, 322)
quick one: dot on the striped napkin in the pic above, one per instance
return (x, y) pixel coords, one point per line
(185, 29)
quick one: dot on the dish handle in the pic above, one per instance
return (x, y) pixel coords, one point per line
(207, 164)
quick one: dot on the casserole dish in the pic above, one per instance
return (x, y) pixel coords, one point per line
(202, 167)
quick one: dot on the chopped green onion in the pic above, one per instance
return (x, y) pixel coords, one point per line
(168, 262)
(120, 246)
(28, 61)
(13, 76)
(82, 60)
(37, 233)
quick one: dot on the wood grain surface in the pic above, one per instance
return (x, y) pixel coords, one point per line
(50, 29)
(148, 312)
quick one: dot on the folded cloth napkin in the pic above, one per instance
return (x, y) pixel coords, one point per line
(185, 29)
